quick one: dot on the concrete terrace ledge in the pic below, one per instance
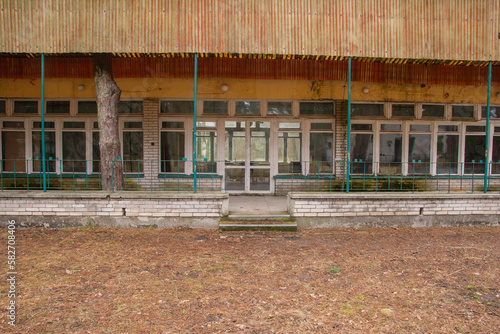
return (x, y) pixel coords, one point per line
(118, 209)
(394, 209)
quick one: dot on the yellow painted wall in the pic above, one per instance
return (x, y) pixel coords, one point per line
(251, 89)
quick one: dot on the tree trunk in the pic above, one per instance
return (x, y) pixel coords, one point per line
(108, 97)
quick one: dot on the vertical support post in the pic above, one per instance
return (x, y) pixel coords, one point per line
(348, 158)
(194, 118)
(43, 125)
(486, 146)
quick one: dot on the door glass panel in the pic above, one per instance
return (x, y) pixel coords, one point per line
(235, 179)
(390, 153)
(495, 169)
(420, 152)
(74, 152)
(474, 154)
(207, 151)
(289, 152)
(13, 151)
(361, 153)
(259, 179)
(50, 151)
(259, 144)
(235, 144)
(321, 153)
(447, 154)
(172, 152)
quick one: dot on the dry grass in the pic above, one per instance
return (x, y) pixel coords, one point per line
(430, 280)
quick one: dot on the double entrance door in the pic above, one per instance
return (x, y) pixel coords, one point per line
(247, 156)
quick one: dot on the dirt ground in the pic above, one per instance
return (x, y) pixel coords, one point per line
(427, 280)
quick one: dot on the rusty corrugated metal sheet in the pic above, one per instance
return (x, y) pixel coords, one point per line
(417, 29)
(247, 68)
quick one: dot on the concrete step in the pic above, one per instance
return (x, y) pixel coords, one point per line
(283, 223)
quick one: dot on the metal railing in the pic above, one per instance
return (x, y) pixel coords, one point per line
(213, 176)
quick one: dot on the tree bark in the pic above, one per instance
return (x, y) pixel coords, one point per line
(108, 97)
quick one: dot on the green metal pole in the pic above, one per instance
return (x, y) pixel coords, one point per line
(486, 146)
(43, 125)
(348, 160)
(194, 119)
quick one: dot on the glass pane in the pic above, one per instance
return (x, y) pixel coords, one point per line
(132, 125)
(321, 126)
(497, 129)
(316, 108)
(177, 107)
(279, 108)
(48, 125)
(133, 151)
(495, 168)
(321, 153)
(96, 155)
(475, 128)
(2, 107)
(362, 153)
(420, 127)
(247, 108)
(172, 152)
(87, 107)
(74, 148)
(215, 107)
(260, 179)
(235, 144)
(74, 125)
(289, 125)
(462, 111)
(361, 127)
(235, 178)
(433, 110)
(130, 107)
(289, 152)
(13, 125)
(403, 110)
(390, 127)
(50, 151)
(172, 125)
(447, 154)
(474, 151)
(26, 107)
(207, 150)
(367, 110)
(448, 128)
(13, 148)
(206, 125)
(259, 144)
(390, 153)
(494, 112)
(96, 125)
(419, 150)
(57, 107)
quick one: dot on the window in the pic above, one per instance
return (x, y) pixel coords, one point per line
(57, 107)
(235, 143)
(321, 149)
(259, 143)
(13, 147)
(25, 107)
(133, 155)
(447, 149)
(474, 158)
(316, 108)
(215, 107)
(390, 148)
(96, 151)
(462, 112)
(247, 108)
(367, 110)
(403, 110)
(87, 107)
(289, 148)
(495, 151)
(172, 150)
(177, 107)
(206, 147)
(433, 111)
(74, 147)
(50, 147)
(361, 148)
(419, 149)
(130, 107)
(494, 112)
(279, 108)
(2, 107)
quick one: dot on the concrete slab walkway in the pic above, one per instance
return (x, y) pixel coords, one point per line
(257, 204)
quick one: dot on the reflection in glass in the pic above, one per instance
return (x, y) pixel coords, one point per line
(206, 151)
(13, 148)
(259, 144)
(419, 150)
(362, 151)
(279, 108)
(50, 151)
(447, 154)
(133, 151)
(390, 153)
(259, 179)
(247, 107)
(474, 151)
(74, 152)
(172, 152)
(289, 152)
(235, 179)
(321, 153)
(235, 143)
(495, 169)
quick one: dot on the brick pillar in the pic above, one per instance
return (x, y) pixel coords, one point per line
(150, 125)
